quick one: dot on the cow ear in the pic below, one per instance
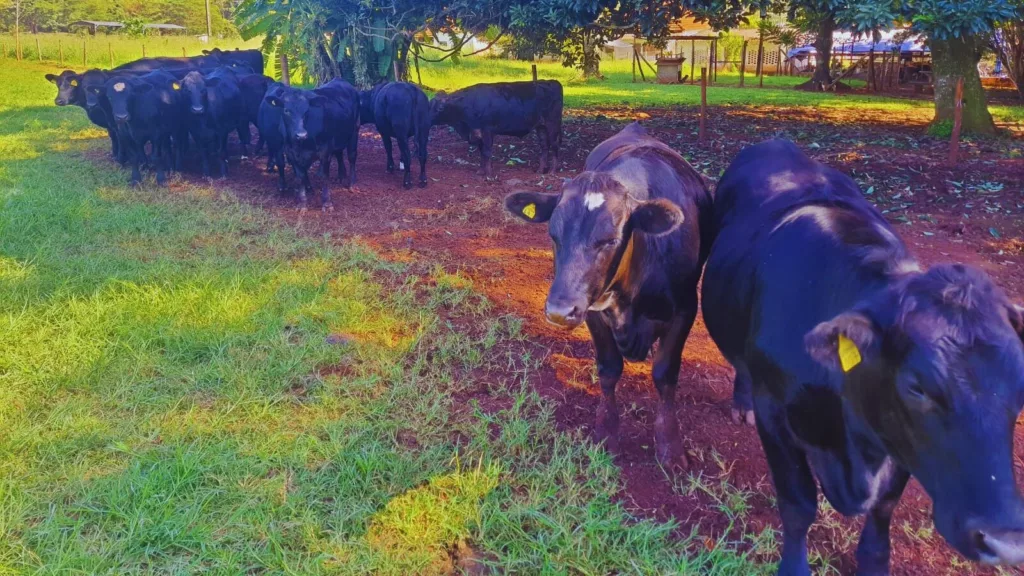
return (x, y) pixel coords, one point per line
(51, 78)
(656, 217)
(206, 52)
(534, 207)
(844, 342)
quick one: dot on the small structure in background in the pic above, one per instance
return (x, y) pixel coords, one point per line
(670, 69)
(164, 28)
(95, 25)
(897, 58)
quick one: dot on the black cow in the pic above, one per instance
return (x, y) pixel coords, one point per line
(631, 234)
(270, 123)
(253, 59)
(85, 91)
(253, 88)
(400, 110)
(480, 112)
(314, 125)
(865, 369)
(144, 111)
(215, 108)
(162, 63)
(343, 125)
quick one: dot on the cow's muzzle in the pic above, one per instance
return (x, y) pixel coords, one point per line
(564, 314)
(198, 109)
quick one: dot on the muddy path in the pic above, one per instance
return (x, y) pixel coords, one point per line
(971, 213)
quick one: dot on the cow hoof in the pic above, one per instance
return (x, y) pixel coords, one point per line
(303, 209)
(391, 170)
(743, 417)
(668, 445)
(407, 185)
(423, 183)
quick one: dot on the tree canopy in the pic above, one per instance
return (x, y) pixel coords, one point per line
(51, 15)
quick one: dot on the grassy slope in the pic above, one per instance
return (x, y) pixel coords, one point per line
(618, 89)
(170, 403)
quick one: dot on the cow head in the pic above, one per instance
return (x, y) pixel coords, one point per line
(935, 367)
(296, 107)
(121, 91)
(194, 88)
(366, 111)
(591, 223)
(440, 108)
(69, 89)
(94, 86)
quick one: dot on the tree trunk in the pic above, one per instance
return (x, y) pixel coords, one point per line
(823, 47)
(1009, 45)
(823, 59)
(958, 58)
(591, 57)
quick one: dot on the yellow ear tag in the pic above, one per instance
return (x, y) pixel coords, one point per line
(74, 82)
(176, 86)
(849, 355)
(530, 210)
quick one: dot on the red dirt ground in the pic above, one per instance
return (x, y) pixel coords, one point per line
(970, 213)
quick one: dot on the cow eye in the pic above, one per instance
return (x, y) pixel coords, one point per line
(606, 243)
(918, 397)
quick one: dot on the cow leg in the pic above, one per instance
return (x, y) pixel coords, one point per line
(797, 494)
(609, 370)
(406, 156)
(162, 151)
(486, 151)
(137, 154)
(874, 547)
(353, 154)
(665, 372)
(222, 154)
(742, 394)
(113, 143)
(282, 184)
(386, 138)
(244, 137)
(554, 138)
(542, 139)
(304, 186)
(421, 151)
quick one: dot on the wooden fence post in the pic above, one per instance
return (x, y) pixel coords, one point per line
(533, 69)
(693, 60)
(110, 52)
(85, 59)
(958, 118)
(394, 66)
(143, 50)
(183, 54)
(3, 47)
(39, 51)
(760, 58)
(872, 81)
(60, 52)
(701, 131)
(285, 76)
(743, 63)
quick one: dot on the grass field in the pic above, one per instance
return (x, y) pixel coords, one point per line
(187, 385)
(617, 89)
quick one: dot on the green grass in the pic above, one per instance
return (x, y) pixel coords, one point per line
(170, 402)
(99, 49)
(618, 89)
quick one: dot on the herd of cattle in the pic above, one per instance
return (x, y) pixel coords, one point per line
(173, 104)
(858, 367)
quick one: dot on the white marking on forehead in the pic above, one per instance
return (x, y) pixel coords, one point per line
(821, 215)
(119, 87)
(593, 200)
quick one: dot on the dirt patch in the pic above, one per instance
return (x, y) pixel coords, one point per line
(969, 213)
